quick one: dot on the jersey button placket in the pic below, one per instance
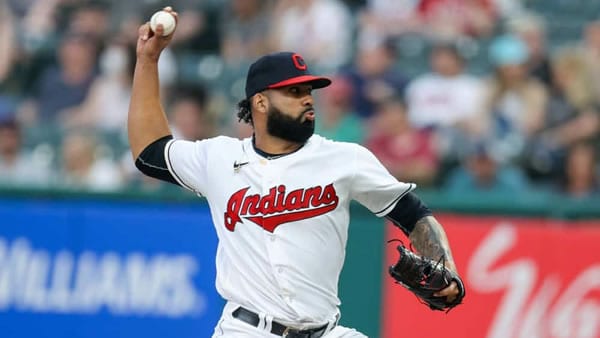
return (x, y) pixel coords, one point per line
(267, 175)
(270, 177)
(270, 238)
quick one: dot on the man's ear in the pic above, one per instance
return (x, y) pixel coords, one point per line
(260, 102)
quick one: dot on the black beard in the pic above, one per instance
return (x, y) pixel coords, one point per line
(289, 128)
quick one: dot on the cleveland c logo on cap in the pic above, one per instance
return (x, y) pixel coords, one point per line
(299, 61)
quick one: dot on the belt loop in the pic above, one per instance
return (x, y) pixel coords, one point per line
(268, 320)
(261, 320)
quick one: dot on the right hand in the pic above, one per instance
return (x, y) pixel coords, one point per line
(150, 44)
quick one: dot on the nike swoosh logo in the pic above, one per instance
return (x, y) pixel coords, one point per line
(237, 165)
(270, 223)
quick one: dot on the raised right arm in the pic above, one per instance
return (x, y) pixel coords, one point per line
(146, 120)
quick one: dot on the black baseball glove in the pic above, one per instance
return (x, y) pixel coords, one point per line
(424, 277)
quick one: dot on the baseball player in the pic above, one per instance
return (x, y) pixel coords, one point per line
(279, 200)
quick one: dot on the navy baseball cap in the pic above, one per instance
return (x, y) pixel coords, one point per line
(279, 70)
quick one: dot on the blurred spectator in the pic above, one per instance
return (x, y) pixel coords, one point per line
(319, 30)
(107, 102)
(515, 103)
(244, 29)
(188, 116)
(446, 98)
(82, 166)
(573, 82)
(90, 18)
(50, 52)
(591, 49)
(17, 166)
(12, 81)
(481, 173)
(456, 18)
(581, 172)
(335, 118)
(20, 7)
(64, 86)
(7, 41)
(197, 28)
(25, 46)
(531, 29)
(508, 8)
(408, 153)
(446, 95)
(381, 19)
(39, 23)
(571, 116)
(445, 19)
(374, 77)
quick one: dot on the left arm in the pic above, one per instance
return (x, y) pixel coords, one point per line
(426, 235)
(429, 239)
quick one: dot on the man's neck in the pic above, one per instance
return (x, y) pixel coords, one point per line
(274, 146)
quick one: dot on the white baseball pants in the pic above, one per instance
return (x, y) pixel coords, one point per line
(230, 327)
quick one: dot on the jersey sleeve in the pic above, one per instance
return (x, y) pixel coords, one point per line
(373, 186)
(187, 162)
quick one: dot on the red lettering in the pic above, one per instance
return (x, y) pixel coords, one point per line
(312, 196)
(279, 204)
(232, 215)
(266, 203)
(251, 205)
(294, 200)
(329, 195)
(287, 208)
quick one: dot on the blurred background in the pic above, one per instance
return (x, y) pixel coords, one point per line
(491, 106)
(495, 96)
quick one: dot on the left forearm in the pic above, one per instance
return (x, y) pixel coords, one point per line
(429, 239)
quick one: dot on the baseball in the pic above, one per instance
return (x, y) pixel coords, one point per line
(165, 19)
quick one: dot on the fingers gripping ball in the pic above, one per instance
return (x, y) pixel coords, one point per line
(424, 277)
(165, 19)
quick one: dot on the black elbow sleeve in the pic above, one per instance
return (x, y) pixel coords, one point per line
(152, 161)
(407, 212)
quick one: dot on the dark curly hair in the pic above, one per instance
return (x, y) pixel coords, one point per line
(244, 111)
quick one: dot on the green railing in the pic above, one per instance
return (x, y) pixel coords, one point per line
(529, 204)
(532, 204)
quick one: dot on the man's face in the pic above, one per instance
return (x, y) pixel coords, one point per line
(286, 127)
(445, 62)
(295, 122)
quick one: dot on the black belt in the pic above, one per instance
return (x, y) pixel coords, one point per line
(277, 328)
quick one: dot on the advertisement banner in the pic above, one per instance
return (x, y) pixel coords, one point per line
(525, 278)
(89, 269)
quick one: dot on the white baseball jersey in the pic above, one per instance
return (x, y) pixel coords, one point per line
(282, 223)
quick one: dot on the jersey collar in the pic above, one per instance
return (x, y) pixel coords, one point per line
(270, 156)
